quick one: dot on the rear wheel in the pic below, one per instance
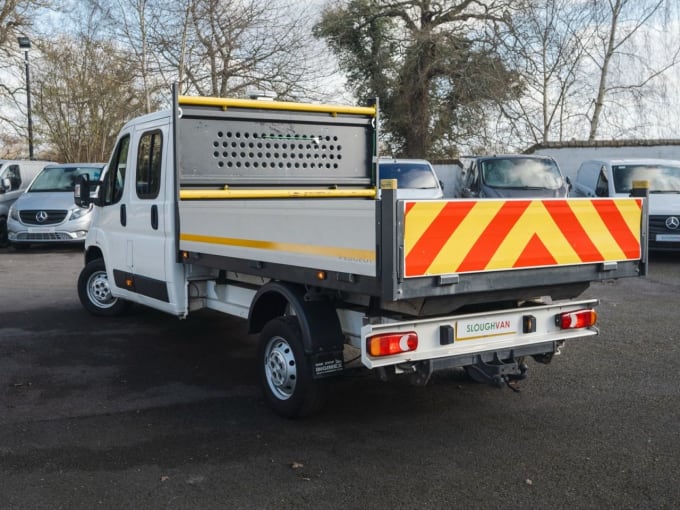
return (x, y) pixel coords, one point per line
(286, 372)
(95, 293)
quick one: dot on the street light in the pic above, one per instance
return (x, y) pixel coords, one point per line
(25, 44)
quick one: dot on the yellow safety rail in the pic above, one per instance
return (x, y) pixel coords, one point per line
(225, 103)
(198, 194)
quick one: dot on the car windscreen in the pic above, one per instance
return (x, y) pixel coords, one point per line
(409, 175)
(522, 173)
(661, 178)
(62, 178)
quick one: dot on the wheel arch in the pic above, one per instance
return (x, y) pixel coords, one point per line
(318, 320)
(93, 253)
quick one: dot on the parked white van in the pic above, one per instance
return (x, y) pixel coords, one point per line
(15, 176)
(614, 177)
(45, 213)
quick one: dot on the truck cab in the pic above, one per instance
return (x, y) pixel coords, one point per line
(134, 226)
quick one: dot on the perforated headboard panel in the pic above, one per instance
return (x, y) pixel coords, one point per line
(260, 147)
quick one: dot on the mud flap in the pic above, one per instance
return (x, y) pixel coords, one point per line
(326, 364)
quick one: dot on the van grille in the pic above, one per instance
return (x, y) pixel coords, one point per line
(657, 224)
(54, 216)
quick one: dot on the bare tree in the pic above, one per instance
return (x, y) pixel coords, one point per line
(617, 22)
(16, 18)
(226, 47)
(545, 43)
(85, 93)
(130, 23)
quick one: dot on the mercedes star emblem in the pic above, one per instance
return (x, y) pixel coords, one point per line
(672, 223)
(41, 216)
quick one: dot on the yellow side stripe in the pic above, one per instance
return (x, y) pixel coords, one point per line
(277, 105)
(302, 249)
(198, 194)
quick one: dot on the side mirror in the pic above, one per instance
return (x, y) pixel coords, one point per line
(81, 191)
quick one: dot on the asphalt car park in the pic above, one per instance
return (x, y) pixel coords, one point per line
(149, 411)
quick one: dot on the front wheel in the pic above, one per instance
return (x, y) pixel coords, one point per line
(286, 372)
(95, 293)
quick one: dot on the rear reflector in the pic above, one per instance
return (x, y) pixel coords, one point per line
(392, 343)
(577, 319)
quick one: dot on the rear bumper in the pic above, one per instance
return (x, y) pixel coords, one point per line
(463, 340)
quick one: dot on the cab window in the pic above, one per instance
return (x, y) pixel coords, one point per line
(149, 165)
(114, 181)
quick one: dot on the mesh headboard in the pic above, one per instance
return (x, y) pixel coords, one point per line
(274, 147)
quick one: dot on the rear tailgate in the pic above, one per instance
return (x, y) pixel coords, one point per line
(478, 245)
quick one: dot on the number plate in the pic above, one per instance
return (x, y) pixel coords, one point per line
(40, 230)
(674, 238)
(486, 328)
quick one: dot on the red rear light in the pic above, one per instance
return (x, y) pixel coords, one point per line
(577, 319)
(392, 343)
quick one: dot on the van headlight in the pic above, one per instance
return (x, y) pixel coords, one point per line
(14, 213)
(80, 212)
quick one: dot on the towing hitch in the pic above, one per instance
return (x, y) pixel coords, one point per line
(498, 372)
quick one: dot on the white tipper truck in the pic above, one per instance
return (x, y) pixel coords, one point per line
(275, 212)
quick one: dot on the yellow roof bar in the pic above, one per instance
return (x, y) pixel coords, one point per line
(199, 194)
(225, 103)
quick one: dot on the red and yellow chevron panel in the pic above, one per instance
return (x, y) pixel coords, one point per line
(461, 236)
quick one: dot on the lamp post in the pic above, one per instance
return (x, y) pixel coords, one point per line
(25, 44)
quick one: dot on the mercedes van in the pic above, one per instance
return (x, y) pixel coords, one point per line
(46, 213)
(15, 176)
(513, 176)
(614, 177)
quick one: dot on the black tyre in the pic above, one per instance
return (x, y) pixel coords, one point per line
(4, 242)
(94, 291)
(286, 372)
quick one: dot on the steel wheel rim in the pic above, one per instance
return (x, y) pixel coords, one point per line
(98, 290)
(280, 368)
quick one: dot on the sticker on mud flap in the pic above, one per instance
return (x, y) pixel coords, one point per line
(485, 327)
(327, 364)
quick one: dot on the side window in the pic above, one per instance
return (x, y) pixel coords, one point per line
(14, 176)
(114, 180)
(149, 154)
(602, 188)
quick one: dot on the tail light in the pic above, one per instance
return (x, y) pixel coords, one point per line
(577, 319)
(392, 343)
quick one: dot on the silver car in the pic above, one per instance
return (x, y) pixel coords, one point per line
(416, 179)
(46, 213)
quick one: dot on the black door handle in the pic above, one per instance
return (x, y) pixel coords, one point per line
(154, 217)
(123, 215)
